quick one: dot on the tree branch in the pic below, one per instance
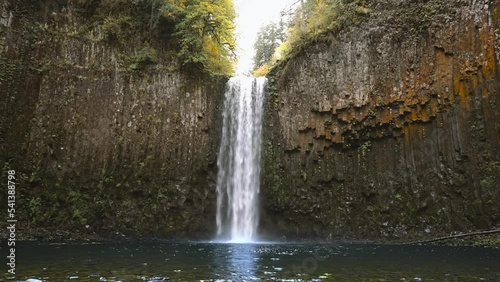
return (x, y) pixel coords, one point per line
(454, 237)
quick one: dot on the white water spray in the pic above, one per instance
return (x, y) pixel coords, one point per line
(239, 160)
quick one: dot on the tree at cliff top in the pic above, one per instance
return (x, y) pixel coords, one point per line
(202, 31)
(311, 21)
(206, 33)
(268, 39)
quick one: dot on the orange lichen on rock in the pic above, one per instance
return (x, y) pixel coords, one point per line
(337, 138)
(484, 92)
(433, 107)
(461, 89)
(406, 133)
(488, 66)
(413, 90)
(385, 115)
(424, 114)
(487, 37)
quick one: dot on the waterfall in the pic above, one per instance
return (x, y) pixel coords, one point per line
(239, 160)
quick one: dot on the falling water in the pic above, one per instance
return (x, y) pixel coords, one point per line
(239, 160)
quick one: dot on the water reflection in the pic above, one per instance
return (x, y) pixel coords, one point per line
(195, 261)
(238, 260)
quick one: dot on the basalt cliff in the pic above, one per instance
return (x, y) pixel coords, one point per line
(387, 128)
(108, 134)
(390, 128)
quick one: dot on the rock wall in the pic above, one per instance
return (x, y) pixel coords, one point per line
(391, 129)
(103, 141)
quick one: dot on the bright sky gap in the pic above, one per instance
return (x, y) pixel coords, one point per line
(251, 16)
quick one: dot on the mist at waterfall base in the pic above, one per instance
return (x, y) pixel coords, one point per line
(238, 180)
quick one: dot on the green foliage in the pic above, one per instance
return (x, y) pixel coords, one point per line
(492, 173)
(201, 31)
(115, 28)
(268, 39)
(206, 34)
(144, 57)
(314, 20)
(124, 17)
(35, 209)
(262, 70)
(486, 240)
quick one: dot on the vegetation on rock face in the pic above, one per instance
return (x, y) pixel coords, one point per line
(313, 20)
(206, 33)
(202, 31)
(417, 181)
(90, 87)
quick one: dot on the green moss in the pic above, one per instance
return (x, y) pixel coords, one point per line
(304, 175)
(272, 87)
(143, 58)
(35, 209)
(419, 17)
(7, 70)
(491, 178)
(487, 240)
(116, 29)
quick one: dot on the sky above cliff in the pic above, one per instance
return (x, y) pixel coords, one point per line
(251, 16)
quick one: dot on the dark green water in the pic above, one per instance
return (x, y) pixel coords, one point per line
(154, 261)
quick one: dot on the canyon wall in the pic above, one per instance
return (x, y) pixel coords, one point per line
(106, 139)
(390, 128)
